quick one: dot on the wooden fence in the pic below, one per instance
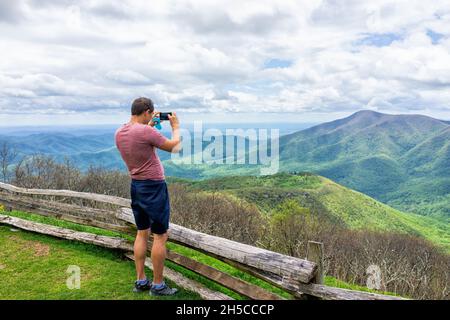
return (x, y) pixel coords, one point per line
(303, 278)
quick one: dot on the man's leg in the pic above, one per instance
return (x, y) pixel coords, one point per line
(158, 256)
(140, 252)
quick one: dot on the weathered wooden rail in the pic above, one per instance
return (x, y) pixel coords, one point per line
(300, 277)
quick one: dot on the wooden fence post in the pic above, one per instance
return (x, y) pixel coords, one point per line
(314, 253)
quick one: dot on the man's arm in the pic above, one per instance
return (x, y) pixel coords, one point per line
(174, 144)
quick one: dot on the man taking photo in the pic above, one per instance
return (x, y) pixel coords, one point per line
(137, 141)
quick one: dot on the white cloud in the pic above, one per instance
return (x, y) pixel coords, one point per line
(126, 76)
(90, 56)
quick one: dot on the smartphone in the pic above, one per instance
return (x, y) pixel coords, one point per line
(164, 115)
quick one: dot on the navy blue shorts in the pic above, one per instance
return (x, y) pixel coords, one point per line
(150, 204)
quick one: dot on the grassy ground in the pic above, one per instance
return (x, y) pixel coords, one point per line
(33, 266)
(176, 248)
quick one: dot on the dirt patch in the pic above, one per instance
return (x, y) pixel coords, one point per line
(2, 266)
(39, 249)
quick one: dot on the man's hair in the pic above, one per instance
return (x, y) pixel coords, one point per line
(140, 105)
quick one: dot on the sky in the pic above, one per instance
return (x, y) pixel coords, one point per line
(84, 61)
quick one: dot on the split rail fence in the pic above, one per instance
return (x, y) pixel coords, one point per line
(303, 278)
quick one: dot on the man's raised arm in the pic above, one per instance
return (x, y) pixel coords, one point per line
(174, 144)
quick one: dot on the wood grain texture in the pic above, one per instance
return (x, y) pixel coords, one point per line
(68, 193)
(67, 212)
(104, 241)
(315, 254)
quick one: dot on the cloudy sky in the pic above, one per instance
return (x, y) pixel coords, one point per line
(84, 61)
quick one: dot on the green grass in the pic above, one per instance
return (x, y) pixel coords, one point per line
(64, 224)
(191, 253)
(34, 266)
(198, 256)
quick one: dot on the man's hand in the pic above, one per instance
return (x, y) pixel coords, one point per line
(174, 123)
(154, 114)
(173, 145)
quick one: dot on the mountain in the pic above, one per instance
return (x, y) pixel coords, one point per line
(58, 143)
(342, 205)
(403, 160)
(365, 135)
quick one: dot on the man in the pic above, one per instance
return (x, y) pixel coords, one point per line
(136, 141)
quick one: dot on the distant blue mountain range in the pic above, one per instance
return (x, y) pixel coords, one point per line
(402, 160)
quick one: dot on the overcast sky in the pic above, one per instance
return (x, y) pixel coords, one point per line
(85, 61)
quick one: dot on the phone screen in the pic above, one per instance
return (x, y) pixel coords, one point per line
(164, 115)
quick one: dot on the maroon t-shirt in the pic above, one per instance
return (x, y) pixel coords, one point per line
(136, 143)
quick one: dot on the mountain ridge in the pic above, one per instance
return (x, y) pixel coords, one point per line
(374, 153)
(401, 160)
